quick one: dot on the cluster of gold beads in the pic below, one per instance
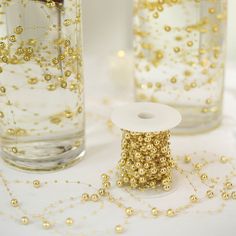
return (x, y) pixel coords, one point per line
(145, 160)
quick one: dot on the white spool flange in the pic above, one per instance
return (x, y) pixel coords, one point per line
(146, 117)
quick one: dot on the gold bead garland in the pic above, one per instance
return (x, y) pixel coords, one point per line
(226, 184)
(146, 160)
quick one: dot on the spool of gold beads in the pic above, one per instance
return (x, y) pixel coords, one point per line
(146, 161)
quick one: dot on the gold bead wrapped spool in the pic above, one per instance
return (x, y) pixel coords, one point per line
(146, 160)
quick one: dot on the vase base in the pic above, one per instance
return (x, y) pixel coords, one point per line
(52, 164)
(196, 122)
(48, 154)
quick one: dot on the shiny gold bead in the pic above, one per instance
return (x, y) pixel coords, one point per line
(141, 171)
(19, 29)
(2, 45)
(105, 177)
(14, 202)
(126, 180)
(64, 84)
(155, 211)
(129, 211)
(193, 198)
(233, 195)
(32, 81)
(211, 10)
(167, 28)
(1, 114)
(166, 188)
(68, 114)
(85, 197)
(46, 224)
(12, 38)
(24, 220)
(223, 159)
(47, 77)
(228, 185)
(106, 185)
(51, 87)
(119, 183)
(225, 196)
(156, 15)
(102, 192)
(204, 177)
(173, 80)
(2, 89)
(119, 229)
(190, 43)
(67, 43)
(67, 73)
(36, 183)
(210, 194)
(94, 197)
(69, 221)
(67, 22)
(14, 150)
(170, 213)
(177, 49)
(55, 61)
(187, 159)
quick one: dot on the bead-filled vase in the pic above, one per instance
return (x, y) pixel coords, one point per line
(41, 84)
(179, 50)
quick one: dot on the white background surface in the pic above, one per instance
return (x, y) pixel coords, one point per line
(105, 33)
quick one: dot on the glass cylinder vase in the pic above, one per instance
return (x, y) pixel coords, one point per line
(179, 58)
(41, 83)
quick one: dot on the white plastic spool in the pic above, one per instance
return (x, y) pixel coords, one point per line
(147, 117)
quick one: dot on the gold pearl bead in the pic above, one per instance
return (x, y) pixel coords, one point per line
(14, 202)
(14, 150)
(204, 177)
(106, 185)
(36, 183)
(129, 211)
(155, 211)
(170, 213)
(69, 221)
(105, 177)
(187, 159)
(46, 224)
(24, 220)
(119, 229)
(166, 187)
(197, 166)
(225, 196)
(94, 197)
(233, 195)
(210, 194)
(85, 196)
(102, 192)
(167, 28)
(228, 185)
(47, 77)
(223, 159)
(193, 198)
(119, 183)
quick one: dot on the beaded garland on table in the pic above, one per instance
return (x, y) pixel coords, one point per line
(192, 169)
(187, 167)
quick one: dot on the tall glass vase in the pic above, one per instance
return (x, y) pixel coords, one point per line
(179, 58)
(41, 83)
